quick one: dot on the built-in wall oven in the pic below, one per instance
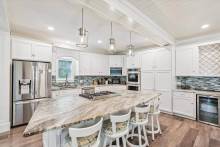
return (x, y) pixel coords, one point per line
(134, 79)
(208, 109)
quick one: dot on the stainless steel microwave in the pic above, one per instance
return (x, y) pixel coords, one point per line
(115, 71)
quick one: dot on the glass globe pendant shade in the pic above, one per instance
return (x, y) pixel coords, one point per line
(112, 44)
(82, 40)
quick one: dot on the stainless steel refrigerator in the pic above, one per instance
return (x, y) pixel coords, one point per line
(31, 84)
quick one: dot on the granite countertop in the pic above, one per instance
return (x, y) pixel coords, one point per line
(203, 92)
(56, 88)
(66, 111)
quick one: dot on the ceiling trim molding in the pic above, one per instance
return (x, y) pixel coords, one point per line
(142, 24)
(212, 38)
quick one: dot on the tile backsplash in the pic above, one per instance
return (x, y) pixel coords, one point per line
(89, 80)
(199, 83)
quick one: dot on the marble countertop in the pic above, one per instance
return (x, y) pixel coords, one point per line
(213, 93)
(56, 88)
(66, 111)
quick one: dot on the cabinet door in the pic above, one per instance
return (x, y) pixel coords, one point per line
(163, 59)
(42, 52)
(165, 101)
(21, 49)
(133, 61)
(163, 80)
(184, 61)
(85, 64)
(147, 80)
(115, 61)
(147, 61)
(104, 65)
(183, 106)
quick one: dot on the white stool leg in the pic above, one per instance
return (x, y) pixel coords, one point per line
(132, 132)
(105, 142)
(145, 135)
(124, 141)
(110, 142)
(139, 135)
(117, 142)
(152, 126)
(158, 124)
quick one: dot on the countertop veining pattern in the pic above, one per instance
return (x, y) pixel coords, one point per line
(66, 111)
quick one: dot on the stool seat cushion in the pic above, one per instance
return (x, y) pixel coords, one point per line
(120, 127)
(82, 141)
(142, 118)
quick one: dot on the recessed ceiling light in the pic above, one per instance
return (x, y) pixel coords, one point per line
(99, 41)
(130, 19)
(68, 42)
(50, 28)
(204, 26)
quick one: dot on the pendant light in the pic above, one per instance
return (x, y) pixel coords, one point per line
(112, 46)
(130, 48)
(82, 40)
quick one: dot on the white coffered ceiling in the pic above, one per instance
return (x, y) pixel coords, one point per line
(154, 21)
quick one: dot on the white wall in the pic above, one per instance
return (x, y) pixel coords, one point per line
(4, 69)
(4, 81)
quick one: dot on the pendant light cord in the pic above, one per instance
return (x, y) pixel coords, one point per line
(111, 29)
(130, 37)
(82, 18)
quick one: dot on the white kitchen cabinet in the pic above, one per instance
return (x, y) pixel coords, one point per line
(94, 64)
(184, 104)
(134, 61)
(116, 61)
(42, 52)
(163, 59)
(159, 59)
(21, 49)
(159, 81)
(148, 61)
(165, 100)
(148, 80)
(29, 50)
(187, 61)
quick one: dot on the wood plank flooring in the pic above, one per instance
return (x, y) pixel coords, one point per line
(176, 132)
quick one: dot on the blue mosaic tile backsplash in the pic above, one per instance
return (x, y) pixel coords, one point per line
(199, 83)
(89, 80)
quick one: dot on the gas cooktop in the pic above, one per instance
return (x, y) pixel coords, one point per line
(99, 95)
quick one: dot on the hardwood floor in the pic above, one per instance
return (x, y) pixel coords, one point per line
(177, 132)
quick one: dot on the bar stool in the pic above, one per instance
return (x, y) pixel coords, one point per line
(117, 127)
(139, 120)
(85, 136)
(154, 114)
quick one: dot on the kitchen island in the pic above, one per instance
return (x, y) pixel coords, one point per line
(56, 114)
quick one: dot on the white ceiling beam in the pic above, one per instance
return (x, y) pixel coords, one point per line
(142, 24)
(131, 11)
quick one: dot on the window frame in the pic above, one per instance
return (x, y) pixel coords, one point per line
(72, 72)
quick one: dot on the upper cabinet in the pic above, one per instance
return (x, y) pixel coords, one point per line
(116, 61)
(156, 60)
(28, 50)
(94, 64)
(187, 61)
(134, 61)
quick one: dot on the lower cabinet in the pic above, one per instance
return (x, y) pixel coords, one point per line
(184, 104)
(165, 101)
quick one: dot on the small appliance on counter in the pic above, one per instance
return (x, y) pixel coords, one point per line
(134, 79)
(31, 83)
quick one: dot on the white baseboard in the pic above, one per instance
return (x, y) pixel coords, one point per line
(4, 127)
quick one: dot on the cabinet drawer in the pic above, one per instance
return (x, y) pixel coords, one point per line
(180, 95)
